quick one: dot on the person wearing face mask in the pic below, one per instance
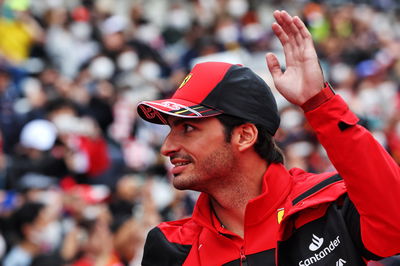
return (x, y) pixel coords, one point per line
(33, 235)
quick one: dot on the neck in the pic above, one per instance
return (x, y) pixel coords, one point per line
(230, 203)
(30, 247)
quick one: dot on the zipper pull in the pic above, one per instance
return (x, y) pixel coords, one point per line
(243, 259)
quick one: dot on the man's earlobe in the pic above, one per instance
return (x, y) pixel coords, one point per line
(247, 136)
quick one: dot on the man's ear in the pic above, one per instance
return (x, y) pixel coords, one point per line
(245, 136)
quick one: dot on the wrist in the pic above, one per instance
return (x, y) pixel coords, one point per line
(324, 95)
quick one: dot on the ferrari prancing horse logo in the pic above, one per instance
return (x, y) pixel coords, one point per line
(185, 80)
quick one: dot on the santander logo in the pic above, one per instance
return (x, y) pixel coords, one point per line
(322, 253)
(316, 243)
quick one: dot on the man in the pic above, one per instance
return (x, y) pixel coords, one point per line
(252, 211)
(35, 234)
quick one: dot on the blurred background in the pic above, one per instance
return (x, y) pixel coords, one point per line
(81, 178)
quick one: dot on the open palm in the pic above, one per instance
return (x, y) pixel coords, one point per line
(303, 76)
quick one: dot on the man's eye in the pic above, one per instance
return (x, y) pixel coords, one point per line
(188, 128)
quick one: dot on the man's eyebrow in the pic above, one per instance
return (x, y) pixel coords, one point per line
(177, 122)
(180, 121)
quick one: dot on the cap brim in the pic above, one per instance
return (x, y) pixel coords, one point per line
(157, 111)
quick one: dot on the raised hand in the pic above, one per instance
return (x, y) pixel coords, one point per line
(303, 76)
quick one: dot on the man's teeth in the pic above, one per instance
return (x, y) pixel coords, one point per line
(180, 164)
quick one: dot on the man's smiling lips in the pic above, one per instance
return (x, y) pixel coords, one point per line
(179, 165)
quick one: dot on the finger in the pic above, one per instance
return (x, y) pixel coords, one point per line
(291, 30)
(273, 65)
(305, 33)
(285, 20)
(306, 37)
(278, 16)
(280, 33)
(284, 39)
(296, 35)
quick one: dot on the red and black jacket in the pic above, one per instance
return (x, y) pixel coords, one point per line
(342, 218)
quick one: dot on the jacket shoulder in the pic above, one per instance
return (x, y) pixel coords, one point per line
(180, 231)
(170, 242)
(316, 188)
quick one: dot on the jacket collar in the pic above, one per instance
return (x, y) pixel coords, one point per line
(277, 184)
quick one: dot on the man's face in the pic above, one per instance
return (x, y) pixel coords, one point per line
(202, 159)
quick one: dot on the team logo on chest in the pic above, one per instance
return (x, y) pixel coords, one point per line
(316, 243)
(320, 252)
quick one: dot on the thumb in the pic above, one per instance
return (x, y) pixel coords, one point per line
(273, 65)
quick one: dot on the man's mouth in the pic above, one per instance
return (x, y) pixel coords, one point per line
(179, 165)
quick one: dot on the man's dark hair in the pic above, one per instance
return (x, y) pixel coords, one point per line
(265, 145)
(25, 215)
(59, 103)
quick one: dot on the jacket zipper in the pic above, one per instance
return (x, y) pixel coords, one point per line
(243, 259)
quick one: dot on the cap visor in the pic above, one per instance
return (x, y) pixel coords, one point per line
(157, 111)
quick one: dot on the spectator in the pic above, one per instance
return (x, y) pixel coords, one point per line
(34, 235)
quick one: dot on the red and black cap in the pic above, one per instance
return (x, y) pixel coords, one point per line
(214, 88)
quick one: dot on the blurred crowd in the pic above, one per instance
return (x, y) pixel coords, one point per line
(81, 178)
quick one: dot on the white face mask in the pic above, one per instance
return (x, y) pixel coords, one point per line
(291, 119)
(127, 60)
(228, 34)
(66, 123)
(148, 33)
(81, 30)
(340, 72)
(252, 32)
(150, 70)
(179, 19)
(102, 68)
(237, 8)
(47, 238)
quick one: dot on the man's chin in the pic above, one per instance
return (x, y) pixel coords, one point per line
(180, 184)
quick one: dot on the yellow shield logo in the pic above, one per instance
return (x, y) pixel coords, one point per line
(185, 80)
(280, 214)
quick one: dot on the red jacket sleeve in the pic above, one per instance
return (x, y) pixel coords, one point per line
(371, 175)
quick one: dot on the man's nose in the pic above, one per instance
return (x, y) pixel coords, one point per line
(169, 146)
